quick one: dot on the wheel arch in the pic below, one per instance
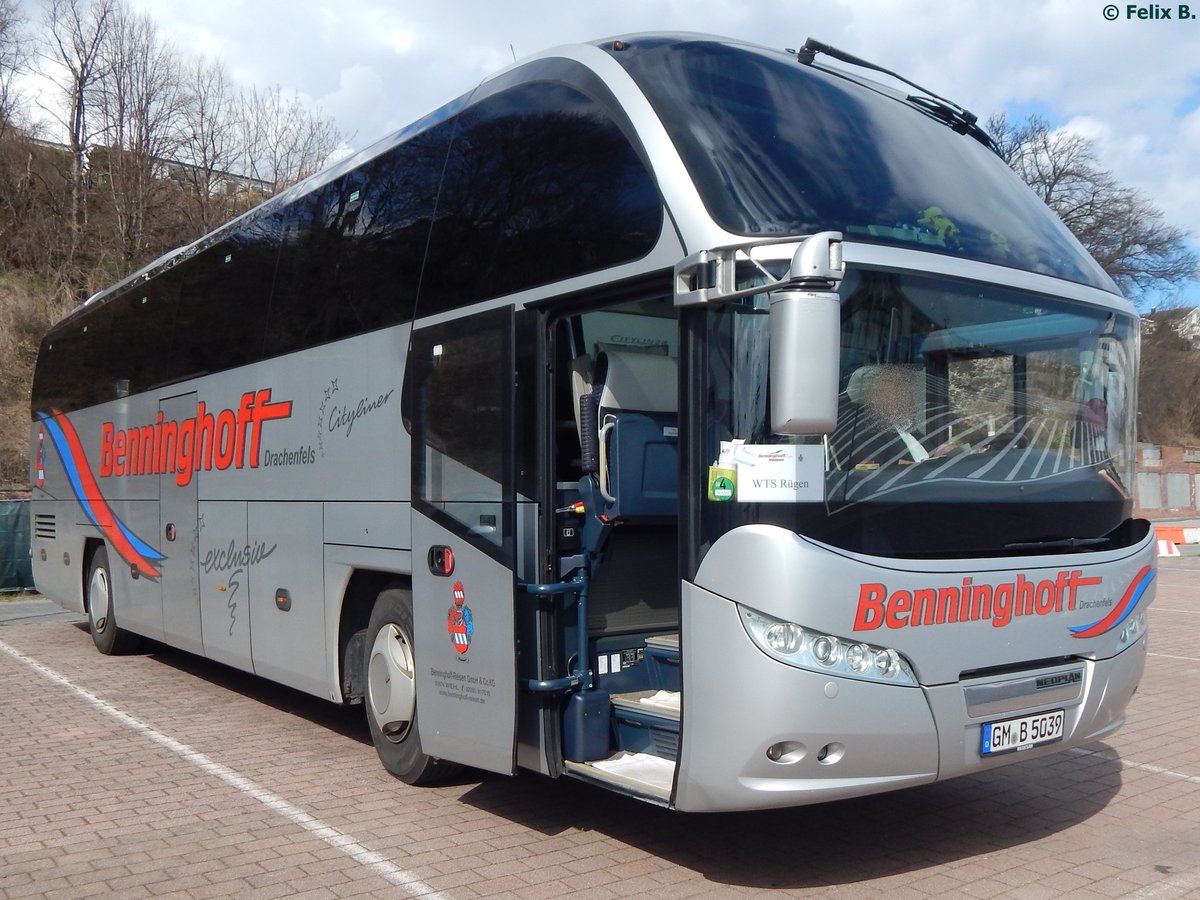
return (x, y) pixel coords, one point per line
(90, 547)
(362, 589)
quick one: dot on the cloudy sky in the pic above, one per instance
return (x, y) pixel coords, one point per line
(1131, 84)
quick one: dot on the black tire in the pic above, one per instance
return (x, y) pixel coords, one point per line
(390, 697)
(108, 638)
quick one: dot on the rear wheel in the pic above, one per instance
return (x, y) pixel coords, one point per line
(108, 638)
(391, 700)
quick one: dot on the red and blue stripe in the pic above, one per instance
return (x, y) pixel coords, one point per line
(127, 545)
(1119, 613)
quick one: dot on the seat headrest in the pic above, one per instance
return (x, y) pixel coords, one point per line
(646, 382)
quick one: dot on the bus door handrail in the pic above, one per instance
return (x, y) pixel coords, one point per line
(581, 676)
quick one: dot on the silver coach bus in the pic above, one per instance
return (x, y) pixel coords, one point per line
(710, 423)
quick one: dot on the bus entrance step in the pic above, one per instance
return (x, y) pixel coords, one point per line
(666, 644)
(646, 777)
(662, 659)
(647, 722)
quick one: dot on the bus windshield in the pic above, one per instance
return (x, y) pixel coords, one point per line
(776, 147)
(973, 420)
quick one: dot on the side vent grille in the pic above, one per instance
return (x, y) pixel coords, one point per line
(45, 525)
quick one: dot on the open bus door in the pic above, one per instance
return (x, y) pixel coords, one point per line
(460, 404)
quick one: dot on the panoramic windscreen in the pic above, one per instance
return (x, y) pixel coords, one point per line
(776, 147)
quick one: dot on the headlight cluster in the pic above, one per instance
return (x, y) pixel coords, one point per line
(807, 649)
(1133, 628)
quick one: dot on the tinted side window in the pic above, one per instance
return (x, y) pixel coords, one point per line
(540, 185)
(73, 368)
(459, 408)
(351, 256)
(143, 322)
(299, 309)
(385, 242)
(223, 303)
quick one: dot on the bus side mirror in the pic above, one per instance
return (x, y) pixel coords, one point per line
(806, 339)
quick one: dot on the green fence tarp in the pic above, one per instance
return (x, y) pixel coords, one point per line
(16, 572)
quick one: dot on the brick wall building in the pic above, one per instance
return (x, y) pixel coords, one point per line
(1168, 482)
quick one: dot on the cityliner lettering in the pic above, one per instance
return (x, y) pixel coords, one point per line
(968, 602)
(222, 440)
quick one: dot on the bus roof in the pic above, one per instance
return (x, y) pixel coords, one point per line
(775, 147)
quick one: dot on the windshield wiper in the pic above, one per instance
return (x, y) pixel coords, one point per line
(1071, 543)
(946, 111)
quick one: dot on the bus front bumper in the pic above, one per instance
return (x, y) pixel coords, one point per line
(758, 734)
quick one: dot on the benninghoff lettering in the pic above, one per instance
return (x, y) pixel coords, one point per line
(230, 438)
(968, 602)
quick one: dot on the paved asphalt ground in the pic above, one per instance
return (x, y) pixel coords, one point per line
(164, 775)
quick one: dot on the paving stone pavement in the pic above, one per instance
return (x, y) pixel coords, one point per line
(164, 775)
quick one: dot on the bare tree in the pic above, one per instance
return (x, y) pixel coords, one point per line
(1169, 387)
(283, 140)
(208, 145)
(13, 149)
(75, 33)
(139, 101)
(1119, 225)
(12, 59)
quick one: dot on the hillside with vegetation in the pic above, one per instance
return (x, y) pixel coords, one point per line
(146, 148)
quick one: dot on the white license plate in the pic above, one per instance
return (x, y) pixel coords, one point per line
(1022, 733)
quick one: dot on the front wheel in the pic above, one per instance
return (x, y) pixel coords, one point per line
(108, 638)
(391, 697)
